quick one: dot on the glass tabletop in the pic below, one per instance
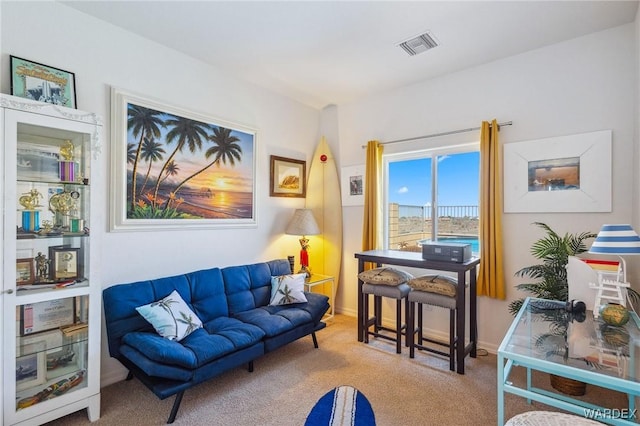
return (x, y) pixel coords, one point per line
(544, 330)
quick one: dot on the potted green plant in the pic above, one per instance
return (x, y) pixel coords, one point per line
(551, 275)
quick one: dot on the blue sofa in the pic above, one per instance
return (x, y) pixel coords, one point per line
(238, 325)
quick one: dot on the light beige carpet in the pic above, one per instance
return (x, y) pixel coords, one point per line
(288, 382)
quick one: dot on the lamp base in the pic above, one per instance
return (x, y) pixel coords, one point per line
(305, 270)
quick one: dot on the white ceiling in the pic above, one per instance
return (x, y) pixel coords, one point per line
(332, 52)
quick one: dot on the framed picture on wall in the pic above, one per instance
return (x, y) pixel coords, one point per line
(559, 174)
(352, 185)
(203, 175)
(287, 177)
(44, 83)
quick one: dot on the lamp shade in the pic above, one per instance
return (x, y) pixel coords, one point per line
(616, 240)
(303, 223)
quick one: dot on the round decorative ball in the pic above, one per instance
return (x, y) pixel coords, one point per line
(323, 157)
(614, 314)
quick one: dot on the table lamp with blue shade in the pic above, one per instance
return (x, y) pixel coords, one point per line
(617, 240)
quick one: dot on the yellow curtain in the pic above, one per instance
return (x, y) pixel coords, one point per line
(491, 273)
(372, 221)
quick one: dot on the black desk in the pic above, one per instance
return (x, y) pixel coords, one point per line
(415, 260)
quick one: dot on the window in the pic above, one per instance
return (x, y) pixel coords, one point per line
(441, 184)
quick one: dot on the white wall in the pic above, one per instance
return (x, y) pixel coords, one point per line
(578, 86)
(101, 56)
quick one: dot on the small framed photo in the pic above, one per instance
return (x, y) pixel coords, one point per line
(31, 369)
(25, 273)
(352, 185)
(65, 263)
(43, 83)
(288, 177)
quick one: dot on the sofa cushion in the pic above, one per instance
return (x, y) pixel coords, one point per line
(153, 368)
(287, 289)
(249, 286)
(159, 349)
(220, 337)
(275, 320)
(384, 276)
(171, 317)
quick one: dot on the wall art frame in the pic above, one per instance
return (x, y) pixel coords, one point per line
(191, 170)
(352, 183)
(559, 174)
(39, 82)
(287, 177)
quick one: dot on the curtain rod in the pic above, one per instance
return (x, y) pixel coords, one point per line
(434, 135)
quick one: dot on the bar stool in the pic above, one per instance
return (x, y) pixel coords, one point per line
(391, 283)
(434, 290)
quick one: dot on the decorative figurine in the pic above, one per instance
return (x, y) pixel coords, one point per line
(42, 267)
(66, 150)
(30, 200)
(47, 227)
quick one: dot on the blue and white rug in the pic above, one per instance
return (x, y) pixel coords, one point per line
(342, 406)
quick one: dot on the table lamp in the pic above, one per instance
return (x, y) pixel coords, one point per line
(303, 223)
(619, 240)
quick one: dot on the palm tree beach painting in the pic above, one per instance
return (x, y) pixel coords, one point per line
(180, 168)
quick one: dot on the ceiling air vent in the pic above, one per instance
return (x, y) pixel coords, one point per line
(419, 44)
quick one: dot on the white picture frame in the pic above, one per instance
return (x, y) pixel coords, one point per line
(588, 155)
(188, 189)
(31, 368)
(352, 185)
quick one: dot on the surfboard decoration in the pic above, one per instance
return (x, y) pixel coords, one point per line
(323, 198)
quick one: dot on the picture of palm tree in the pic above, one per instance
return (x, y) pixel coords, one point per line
(182, 168)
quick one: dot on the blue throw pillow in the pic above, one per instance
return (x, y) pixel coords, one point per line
(171, 317)
(287, 289)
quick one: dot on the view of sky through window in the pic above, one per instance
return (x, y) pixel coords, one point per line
(458, 180)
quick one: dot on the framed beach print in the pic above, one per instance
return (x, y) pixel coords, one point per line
(44, 83)
(176, 169)
(352, 185)
(287, 177)
(559, 174)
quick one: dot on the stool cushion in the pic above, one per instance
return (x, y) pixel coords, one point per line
(549, 418)
(384, 276)
(440, 284)
(433, 299)
(392, 291)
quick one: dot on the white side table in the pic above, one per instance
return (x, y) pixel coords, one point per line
(318, 279)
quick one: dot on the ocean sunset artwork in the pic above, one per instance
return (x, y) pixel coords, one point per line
(182, 168)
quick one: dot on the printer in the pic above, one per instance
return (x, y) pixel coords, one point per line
(446, 252)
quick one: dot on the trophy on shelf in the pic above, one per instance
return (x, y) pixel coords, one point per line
(64, 205)
(42, 268)
(30, 216)
(66, 166)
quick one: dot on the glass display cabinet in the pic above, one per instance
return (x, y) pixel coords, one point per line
(52, 299)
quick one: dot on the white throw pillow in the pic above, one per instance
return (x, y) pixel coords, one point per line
(287, 289)
(171, 317)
